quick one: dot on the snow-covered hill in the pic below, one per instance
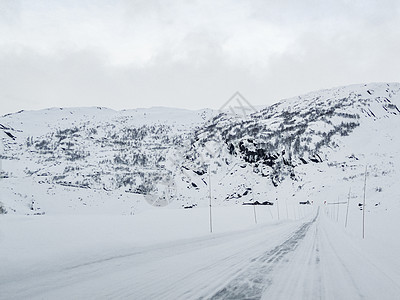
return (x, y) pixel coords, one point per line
(313, 147)
(60, 165)
(88, 160)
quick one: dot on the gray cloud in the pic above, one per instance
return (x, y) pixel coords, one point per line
(9, 11)
(127, 54)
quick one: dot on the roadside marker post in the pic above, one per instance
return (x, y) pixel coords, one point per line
(277, 206)
(347, 212)
(363, 219)
(209, 192)
(337, 215)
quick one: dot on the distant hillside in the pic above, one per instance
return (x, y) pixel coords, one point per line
(315, 147)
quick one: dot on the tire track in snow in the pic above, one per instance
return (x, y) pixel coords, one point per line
(251, 282)
(300, 275)
(221, 268)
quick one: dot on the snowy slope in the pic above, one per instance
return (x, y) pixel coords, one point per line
(77, 186)
(300, 147)
(92, 158)
(100, 160)
(310, 147)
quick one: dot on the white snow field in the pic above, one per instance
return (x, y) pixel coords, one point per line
(136, 257)
(76, 221)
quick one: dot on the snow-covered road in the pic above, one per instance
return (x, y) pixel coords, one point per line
(309, 259)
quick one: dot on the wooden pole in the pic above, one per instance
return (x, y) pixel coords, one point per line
(347, 212)
(209, 194)
(277, 206)
(254, 200)
(337, 215)
(365, 184)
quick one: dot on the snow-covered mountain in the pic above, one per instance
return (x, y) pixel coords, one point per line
(310, 147)
(69, 163)
(313, 147)
(91, 159)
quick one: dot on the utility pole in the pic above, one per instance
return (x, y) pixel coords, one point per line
(347, 212)
(254, 204)
(365, 184)
(277, 206)
(209, 193)
(337, 215)
(255, 214)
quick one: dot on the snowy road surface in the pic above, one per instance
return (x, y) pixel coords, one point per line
(307, 259)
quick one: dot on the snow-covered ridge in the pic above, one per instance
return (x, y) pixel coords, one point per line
(42, 121)
(101, 160)
(322, 131)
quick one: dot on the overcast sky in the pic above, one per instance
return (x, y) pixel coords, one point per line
(190, 54)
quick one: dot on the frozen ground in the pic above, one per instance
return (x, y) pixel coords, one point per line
(134, 257)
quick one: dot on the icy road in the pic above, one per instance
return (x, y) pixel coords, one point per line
(307, 259)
